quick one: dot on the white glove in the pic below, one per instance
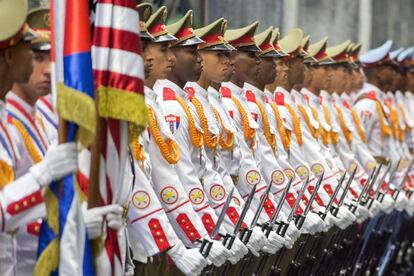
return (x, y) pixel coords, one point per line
(60, 160)
(189, 261)
(218, 254)
(238, 251)
(94, 218)
(401, 202)
(346, 216)
(362, 213)
(331, 220)
(318, 224)
(387, 204)
(257, 241)
(293, 232)
(275, 242)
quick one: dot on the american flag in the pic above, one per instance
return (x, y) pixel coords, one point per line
(119, 74)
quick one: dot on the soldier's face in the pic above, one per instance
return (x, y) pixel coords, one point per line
(357, 79)
(410, 81)
(216, 65)
(339, 78)
(385, 75)
(246, 65)
(188, 66)
(267, 72)
(281, 72)
(320, 77)
(20, 57)
(296, 71)
(159, 59)
(39, 80)
(308, 75)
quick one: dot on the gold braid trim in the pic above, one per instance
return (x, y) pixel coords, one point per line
(285, 137)
(6, 174)
(195, 135)
(79, 108)
(168, 147)
(226, 144)
(137, 150)
(34, 154)
(271, 138)
(123, 105)
(334, 136)
(385, 130)
(210, 140)
(396, 128)
(296, 124)
(322, 132)
(407, 127)
(358, 124)
(305, 116)
(248, 132)
(347, 133)
(48, 260)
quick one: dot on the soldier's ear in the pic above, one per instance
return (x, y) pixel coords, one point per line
(7, 55)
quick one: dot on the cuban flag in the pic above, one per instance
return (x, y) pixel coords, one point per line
(64, 248)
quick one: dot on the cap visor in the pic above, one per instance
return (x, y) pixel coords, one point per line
(164, 38)
(41, 46)
(218, 47)
(195, 40)
(270, 54)
(146, 35)
(251, 48)
(29, 35)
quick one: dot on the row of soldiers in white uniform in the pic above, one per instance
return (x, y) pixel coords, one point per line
(255, 117)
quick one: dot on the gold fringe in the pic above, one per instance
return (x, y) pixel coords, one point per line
(305, 116)
(248, 132)
(322, 133)
(210, 140)
(48, 260)
(122, 105)
(228, 142)
(196, 136)
(52, 207)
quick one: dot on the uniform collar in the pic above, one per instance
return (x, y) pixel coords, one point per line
(370, 88)
(27, 107)
(287, 96)
(3, 112)
(200, 91)
(258, 93)
(234, 88)
(212, 92)
(178, 90)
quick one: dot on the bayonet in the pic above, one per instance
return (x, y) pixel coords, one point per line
(342, 198)
(396, 192)
(267, 227)
(333, 196)
(300, 219)
(353, 207)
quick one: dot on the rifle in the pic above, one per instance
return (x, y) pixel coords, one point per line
(387, 184)
(342, 199)
(353, 207)
(396, 193)
(378, 189)
(332, 199)
(366, 199)
(229, 239)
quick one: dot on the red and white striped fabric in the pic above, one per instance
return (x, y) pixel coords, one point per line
(119, 74)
